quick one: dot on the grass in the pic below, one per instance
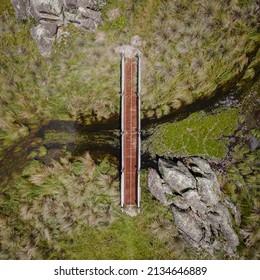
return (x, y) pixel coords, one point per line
(190, 58)
(55, 200)
(202, 134)
(70, 208)
(241, 179)
(184, 58)
(241, 185)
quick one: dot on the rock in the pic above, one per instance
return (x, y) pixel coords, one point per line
(157, 188)
(176, 175)
(47, 7)
(86, 24)
(221, 219)
(91, 4)
(234, 211)
(199, 166)
(131, 211)
(188, 225)
(180, 203)
(51, 14)
(21, 8)
(44, 35)
(253, 143)
(207, 182)
(42, 16)
(70, 4)
(136, 41)
(91, 14)
(199, 207)
(208, 190)
(71, 17)
(192, 198)
(128, 51)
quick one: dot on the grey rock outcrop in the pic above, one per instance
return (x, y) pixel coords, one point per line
(253, 143)
(44, 35)
(46, 9)
(200, 209)
(178, 178)
(159, 190)
(52, 14)
(21, 8)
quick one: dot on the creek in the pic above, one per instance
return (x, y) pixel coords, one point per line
(59, 137)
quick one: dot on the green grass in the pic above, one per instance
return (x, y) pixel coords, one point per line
(6, 7)
(201, 134)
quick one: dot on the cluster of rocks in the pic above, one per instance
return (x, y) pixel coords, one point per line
(52, 14)
(201, 211)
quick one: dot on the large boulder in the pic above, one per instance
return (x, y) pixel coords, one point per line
(200, 209)
(176, 175)
(46, 10)
(189, 225)
(52, 7)
(44, 35)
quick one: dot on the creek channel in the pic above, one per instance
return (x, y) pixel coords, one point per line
(59, 137)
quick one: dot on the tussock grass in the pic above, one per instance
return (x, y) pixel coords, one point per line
(241, 185)
(62, 211)
(53, 201)
(189, 50)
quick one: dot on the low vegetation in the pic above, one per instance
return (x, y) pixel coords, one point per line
(202, 134)
(70, 210)
(47, 203)
(241, 178)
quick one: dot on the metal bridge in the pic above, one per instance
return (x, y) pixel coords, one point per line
(130, 130)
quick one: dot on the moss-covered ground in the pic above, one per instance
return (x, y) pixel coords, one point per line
(202, 134)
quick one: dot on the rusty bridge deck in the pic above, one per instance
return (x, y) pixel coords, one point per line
(130, 129)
